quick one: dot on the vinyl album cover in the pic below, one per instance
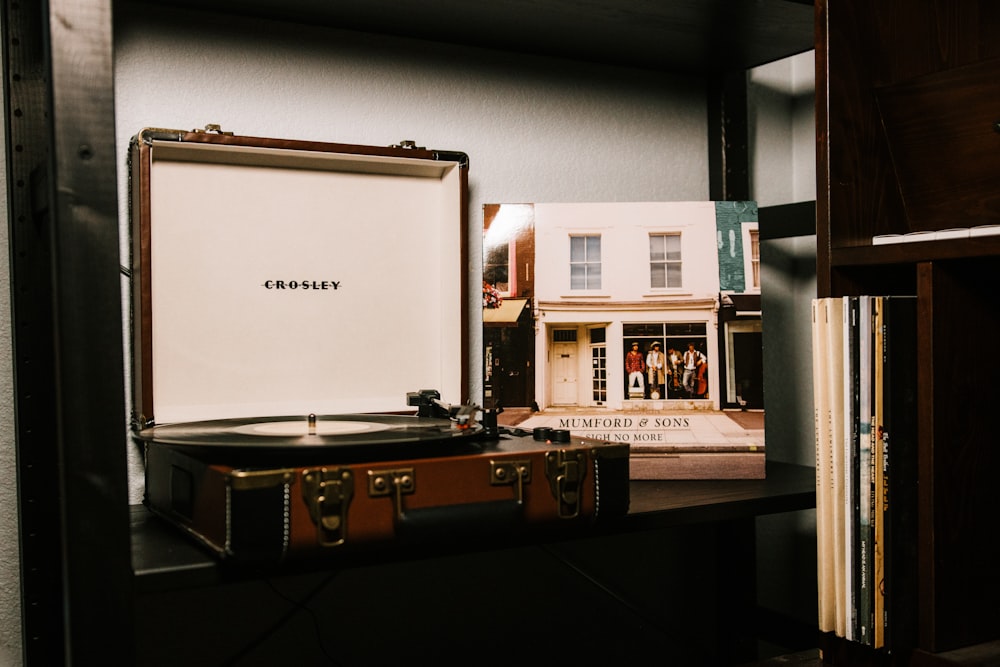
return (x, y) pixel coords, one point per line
(634, 322)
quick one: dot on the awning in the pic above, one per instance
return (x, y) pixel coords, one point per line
(740, 305)
(506, 315)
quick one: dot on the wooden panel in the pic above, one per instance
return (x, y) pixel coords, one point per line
(906, 111)
(960, 457)
(856, 178)
(892, 47)
(90, 408)
(945, 146)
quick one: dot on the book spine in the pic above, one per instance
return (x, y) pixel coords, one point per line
(862, 381)
(879, 472)
(826, 588)
(840, 469)
(851, 434)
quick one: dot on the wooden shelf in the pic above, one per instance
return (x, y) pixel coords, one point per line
(681, 37)
(164, 558)
(918, 251)
(656, 504)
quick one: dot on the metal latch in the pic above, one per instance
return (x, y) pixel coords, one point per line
(212, 128)
(513, 473)
(566, 470)
(395, 483)
(408, 144)
(328, 493)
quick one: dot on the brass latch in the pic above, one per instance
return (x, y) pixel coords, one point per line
(513, 473)
(328, 493)
(408, 144)
(566, 470)
(212, 128)
(394, 483)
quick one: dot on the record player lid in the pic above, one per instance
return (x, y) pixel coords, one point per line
(325, 285)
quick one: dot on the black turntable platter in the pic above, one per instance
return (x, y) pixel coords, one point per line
(312, 431)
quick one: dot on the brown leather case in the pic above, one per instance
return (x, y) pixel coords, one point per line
(272, 508)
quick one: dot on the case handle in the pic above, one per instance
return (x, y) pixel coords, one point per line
(465, 519)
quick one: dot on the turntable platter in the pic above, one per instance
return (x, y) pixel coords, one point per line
(314, 431)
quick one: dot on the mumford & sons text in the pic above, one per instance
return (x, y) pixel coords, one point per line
(626, 429)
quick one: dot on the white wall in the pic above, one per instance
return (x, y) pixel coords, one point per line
(782, 120)
(535, 130)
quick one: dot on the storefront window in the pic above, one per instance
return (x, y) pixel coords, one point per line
(671, 340)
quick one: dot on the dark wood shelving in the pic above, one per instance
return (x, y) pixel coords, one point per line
(903, 88)
(690, 36)
(164, 558)
(656, 504)
(915, 251)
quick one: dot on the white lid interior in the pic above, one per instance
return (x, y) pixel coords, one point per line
(367, 250)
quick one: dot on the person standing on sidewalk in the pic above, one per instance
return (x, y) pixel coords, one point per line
(655, 364)
(634, 368)
(692, 359)
(674, 368)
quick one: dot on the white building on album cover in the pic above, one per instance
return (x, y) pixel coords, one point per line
(569, 288)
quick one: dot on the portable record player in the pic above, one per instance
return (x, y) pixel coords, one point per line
(287, 297)
(281, 488)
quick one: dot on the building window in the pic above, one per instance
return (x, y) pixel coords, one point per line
(754, 259)
(599, 380)
(599, 363)
(585, 262)
(564, 336)
(665, 261)
(496, 267)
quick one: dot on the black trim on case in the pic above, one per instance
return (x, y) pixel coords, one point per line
(258, 523)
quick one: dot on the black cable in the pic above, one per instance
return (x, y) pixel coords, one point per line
(636, 612)
(297, 606)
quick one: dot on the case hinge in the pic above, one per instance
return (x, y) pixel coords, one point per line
(566, 470)
(328, 493)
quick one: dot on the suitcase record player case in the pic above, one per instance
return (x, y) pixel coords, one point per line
(288, 297)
